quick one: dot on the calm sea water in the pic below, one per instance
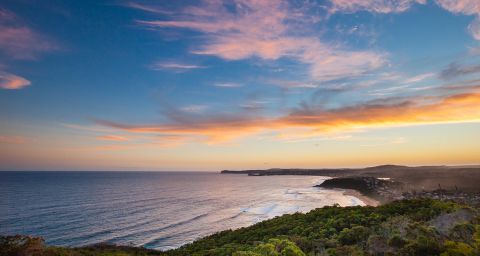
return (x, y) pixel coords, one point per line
(152, 209)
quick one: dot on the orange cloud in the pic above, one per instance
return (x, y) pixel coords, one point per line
(112, 138)
(456, 108)
(215, 130)
(111, 147)
(13, 139)
(11, 81)
(307, 122)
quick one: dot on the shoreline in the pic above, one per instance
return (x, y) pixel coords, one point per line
(368, 201)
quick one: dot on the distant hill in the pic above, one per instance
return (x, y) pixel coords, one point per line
(418, 177)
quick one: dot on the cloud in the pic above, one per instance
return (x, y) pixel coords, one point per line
(331, 64)
(314, 121)
(20, 41)
(418, 78)
(228, 85)
(287, 84)
(385, 141)
(174, 66)
(474, 28)
(91, 129)
(147, 8)
(268, 30)
(455, 70)
(194, 108)
(376, 6)
(254, 105)
(401, 83)
(112, 138)
(12, 139)
(12, 82)
(465, 7)
(455, 108)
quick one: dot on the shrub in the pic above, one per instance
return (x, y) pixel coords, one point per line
(453, 248)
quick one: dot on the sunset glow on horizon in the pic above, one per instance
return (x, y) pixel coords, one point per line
(211, 85)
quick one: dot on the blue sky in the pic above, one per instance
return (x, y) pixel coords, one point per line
(150, 84)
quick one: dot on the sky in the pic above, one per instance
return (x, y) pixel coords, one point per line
(211, 85)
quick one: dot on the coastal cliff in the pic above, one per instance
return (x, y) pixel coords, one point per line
(382, 190)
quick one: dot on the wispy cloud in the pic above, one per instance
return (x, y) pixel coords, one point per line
(269, 30)
(314, 121)
(112, 138)
(455, 70)
(20, 41)
(174, 66)
(418, 78)
(295, 84)
(87, 128)
(465, 7)
(195, 109)
(398, 82)
(377, 6)
(228, 85)
(147, 8)
(7, 139)
(12, 82)
(254, 105)
(385, 141)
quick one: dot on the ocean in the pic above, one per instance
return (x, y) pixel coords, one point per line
(157, 210)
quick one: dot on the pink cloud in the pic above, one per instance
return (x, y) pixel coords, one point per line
(12, 139)
(269, 30)
(147, 8)
(23, 43)
(19, 41)
(378, 6)
(112, 138)
(465, 7)
(12, 82)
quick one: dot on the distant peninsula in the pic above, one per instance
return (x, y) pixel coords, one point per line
(464, 178)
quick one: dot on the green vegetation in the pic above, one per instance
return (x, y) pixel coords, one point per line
(34, 246)
(408, 227)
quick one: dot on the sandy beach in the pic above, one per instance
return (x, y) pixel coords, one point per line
(365, 199)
